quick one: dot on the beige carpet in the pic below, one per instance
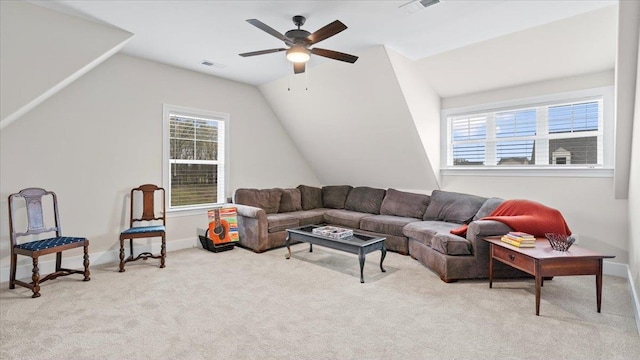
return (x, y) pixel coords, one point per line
(241, 305)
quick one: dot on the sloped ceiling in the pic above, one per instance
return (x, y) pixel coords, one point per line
(581, 44)
(372, 123)
(423, 104)
(195, 30)
(352, 127)
(42, 51)
(377, 122)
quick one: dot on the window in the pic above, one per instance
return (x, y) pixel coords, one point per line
(194, 157)
(565, 131)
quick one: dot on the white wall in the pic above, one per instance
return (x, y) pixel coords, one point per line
(42, 50)
(102, 135)
(538, 88)
(423, 104)
(353, 124)
(634, 191)
(626, 62)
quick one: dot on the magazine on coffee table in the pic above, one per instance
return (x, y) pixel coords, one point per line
(334, 232)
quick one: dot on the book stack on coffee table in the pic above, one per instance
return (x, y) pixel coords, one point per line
(519, 239)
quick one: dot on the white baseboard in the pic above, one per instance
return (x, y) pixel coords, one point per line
(23, 272)
(622, 270)
(615, 269)
(635, 299)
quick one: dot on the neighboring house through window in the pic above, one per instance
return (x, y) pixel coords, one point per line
(561, 131)
(194, 157)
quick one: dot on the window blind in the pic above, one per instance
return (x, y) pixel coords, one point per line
(550, 135)
(196, 159)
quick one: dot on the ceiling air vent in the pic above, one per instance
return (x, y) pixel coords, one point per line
(417, 5)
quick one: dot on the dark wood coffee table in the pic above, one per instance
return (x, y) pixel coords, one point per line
(357, 244)
(542, 261)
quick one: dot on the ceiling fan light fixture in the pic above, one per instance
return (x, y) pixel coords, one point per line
(298, 54)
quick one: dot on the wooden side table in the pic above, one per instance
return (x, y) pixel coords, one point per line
(542, 261)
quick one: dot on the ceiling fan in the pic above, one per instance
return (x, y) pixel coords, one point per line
(299, 42)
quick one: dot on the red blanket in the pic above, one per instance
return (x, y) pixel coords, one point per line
(526, 216)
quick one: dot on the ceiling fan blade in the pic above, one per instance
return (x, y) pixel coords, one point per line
(326, 32)
(335, 55)
(269, 30)
(262, 52)
(298, 68)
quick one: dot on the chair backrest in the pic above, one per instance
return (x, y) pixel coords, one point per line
(148, 204)
(35, 215)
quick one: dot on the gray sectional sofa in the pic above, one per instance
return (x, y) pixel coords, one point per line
(413, 224)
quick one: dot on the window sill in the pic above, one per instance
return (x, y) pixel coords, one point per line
(191, 210)
(528, 172)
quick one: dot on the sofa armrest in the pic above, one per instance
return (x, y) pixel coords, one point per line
(481, 228)
(252, 227)
(250, 211)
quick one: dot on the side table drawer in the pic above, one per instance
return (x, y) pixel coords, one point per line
(514, 259)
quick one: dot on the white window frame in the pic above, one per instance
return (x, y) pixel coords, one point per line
(222, 162)
(607, 127)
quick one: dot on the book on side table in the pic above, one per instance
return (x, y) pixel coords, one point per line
(519, 239)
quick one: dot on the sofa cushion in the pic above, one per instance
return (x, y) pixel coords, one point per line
(365, 199)
(309, 217)
(291, 200)
(311, 197)
(424, 231)
(386, 224)
(406, 204)
(487, 207)
(335, 196)
(453, 207)
(450, 244)
(346, 218)
(281, 222)
(267, 199)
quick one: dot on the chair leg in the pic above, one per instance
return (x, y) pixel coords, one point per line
(121, 267)
(87, 273)
(12, 276)
(58, 260)
(163, 251)
(35, 277)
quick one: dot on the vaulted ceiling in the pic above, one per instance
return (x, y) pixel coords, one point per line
(184, 33)
(384, 108)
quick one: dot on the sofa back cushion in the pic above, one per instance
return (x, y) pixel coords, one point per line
(267, 199)
(365, 199)
(311, 197)
(406, 204)
(335, 196)
(291, 200)
(453, 207)
(487, 207)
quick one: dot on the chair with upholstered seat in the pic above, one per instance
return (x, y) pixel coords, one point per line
(146, 196)
(32, 199)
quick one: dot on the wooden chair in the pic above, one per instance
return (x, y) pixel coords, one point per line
(148, 192)
(36, 248)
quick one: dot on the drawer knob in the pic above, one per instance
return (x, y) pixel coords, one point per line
(512, 257)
